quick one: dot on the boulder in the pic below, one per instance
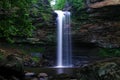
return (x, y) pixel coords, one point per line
(42, 76)
(12, 68)
(108, 69)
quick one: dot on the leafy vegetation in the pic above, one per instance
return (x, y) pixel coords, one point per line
(15, 20)
(36, 59)
(59, 4)
(18, 17)
(106, 52)
(1, 56)
(77, 8)
(76, 5)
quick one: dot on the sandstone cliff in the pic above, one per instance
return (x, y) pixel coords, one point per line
(104, 28)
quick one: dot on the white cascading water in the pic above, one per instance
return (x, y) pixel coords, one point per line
(64, 55)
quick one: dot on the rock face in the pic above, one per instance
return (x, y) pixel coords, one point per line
(11, 68)
(102, 70)
(105, 3)
(43, 20)
(104, 28)
(105, 34)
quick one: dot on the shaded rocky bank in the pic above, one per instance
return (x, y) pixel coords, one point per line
(87, 66)
(102, 70)
(37, 55)
(99, 70)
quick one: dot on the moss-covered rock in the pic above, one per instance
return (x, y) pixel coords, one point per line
(108, 69)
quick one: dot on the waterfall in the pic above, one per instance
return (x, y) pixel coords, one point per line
(64, 55)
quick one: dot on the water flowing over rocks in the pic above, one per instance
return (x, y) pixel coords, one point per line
(107, 69)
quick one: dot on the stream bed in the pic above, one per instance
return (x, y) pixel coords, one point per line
(52, 73)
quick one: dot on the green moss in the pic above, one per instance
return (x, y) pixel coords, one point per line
(25, 48)
(106, 52)
(1, 56)
(36, 59)
(47, 17)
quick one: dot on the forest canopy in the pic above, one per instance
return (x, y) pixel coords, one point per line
(16, 17)
(76, 7)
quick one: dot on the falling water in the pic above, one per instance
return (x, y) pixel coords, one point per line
(63, 39)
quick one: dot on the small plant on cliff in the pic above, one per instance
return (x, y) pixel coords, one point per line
(105, 52)
(36, 59)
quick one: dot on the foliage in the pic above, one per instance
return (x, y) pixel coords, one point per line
(77, 9)
(19, 17)
(15, 20)
(59, 4)
(1, 56)
(106, 52)
(41, 13)
(76, 4)
(36, 59)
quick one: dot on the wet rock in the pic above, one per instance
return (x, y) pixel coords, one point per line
(73, 79)
(12, 68)
(42, 76)
(36, 60)
(104, 70)
(34, 79)
(63, 76)
(29, 74)
(107, 68)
